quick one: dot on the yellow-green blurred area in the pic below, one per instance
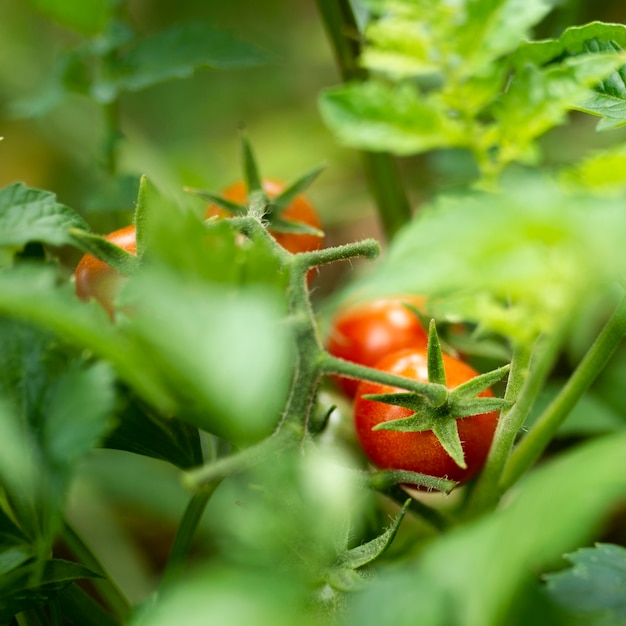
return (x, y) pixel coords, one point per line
(181, 132)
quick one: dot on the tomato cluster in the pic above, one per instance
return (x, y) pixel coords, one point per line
(387, 334)
(95, 279)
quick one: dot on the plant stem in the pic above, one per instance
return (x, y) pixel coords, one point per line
(107, 587)
(381, 168)
(186, 530)
(536, 440)
(436, 518)
(436, 394)
(529, 369)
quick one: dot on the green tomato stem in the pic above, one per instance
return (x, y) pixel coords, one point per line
(436, 394)
(434, 517)
(186, 530)
(536, 440)
(529, 370)
(381, 168)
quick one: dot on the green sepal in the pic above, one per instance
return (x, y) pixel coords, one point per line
(118, 258)
(413, 424)
(447, 431)
(407, 400)
(478, 406)
(234, 208)
(474, 386)
(381, 480)
(250, 169)
(436, 371)
(279, 225)
(140, 216)
(287, 196)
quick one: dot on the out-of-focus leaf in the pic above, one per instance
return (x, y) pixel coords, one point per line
(28, 214)
(590, 416)
(593, 588)
(513, 261)
(21, 590)
(176, 53)
(379, 117)
(87, 16)
(603, 171)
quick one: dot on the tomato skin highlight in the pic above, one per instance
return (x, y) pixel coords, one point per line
(300, 210)
(420, 451)
(95, 279)
(365, 332)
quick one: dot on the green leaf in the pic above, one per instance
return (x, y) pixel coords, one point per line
(538, 99)
(478, 406)
(228, 205)
(447, 431)
(87, 17)
(79, 407)
(251, 172)
(140, 429)
(474, 386)
(279, 225)
(383, 479)
(379, 117)
(593, 589)
(603, 171)
(28, 214)
(19, 590)
(206, 349)
(177, 53)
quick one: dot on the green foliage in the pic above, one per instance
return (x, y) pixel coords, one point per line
(451, 81)
(593, 588)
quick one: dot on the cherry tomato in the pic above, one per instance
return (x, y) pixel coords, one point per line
(420, 451)
(97, 280)
(367, 331)
(300, 210)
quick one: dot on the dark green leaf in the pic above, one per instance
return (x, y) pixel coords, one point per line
(177, 53)
(28, 214)
(19, 590)
(594, 587)
(142, 431)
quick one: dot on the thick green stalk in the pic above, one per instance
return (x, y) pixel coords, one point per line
(529, 370)
(536, 440)
(186, 531)
(381, 168)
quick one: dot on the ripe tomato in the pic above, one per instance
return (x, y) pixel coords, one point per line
(365, 332)
(300, 210)
(420, 451)
(99, 281)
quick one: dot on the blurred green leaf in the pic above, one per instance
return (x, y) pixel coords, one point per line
(513, 261)
(87, 16)
(590, 417)
(26, 588)
(593, 588)
(379, 117)
(28, 214)
(603, 171)
(176, 53)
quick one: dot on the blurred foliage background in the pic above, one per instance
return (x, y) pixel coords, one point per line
(184, 133)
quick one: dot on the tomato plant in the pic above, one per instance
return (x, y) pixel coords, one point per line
(300, 210)
(365, 332)
(97, 280)
(420, 452)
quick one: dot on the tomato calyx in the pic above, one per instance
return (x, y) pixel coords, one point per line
(441, 418)
(110, 253)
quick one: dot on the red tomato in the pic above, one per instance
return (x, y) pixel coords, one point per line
(300, 210)
(420, 451)
(99, 281)
(364, 333)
